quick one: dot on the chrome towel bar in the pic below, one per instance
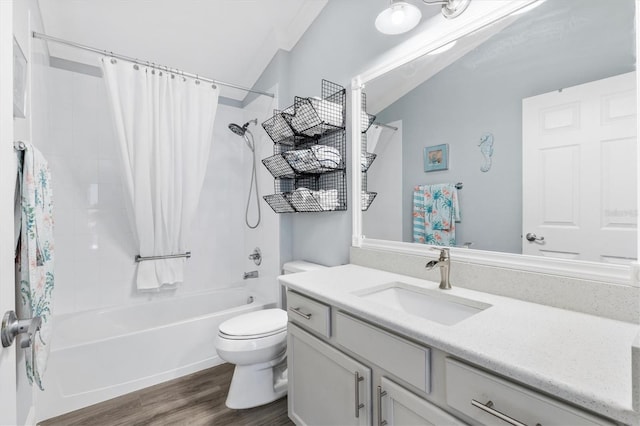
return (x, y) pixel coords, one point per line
(166, 256)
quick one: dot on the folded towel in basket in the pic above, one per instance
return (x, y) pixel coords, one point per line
(314, 159)
(307, 200)
(303, 200)
(328, 156)
(327, 198)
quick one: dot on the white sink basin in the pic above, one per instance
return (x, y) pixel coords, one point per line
(434, 305)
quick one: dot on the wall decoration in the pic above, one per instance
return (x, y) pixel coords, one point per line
(486, 148)
(19, 81)
(436, 157)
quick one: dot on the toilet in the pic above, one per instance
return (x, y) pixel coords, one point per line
(256, 343)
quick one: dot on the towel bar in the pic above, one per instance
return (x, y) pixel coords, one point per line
(166, 256)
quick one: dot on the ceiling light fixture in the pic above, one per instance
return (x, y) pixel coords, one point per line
(398, 18)
(402, 16)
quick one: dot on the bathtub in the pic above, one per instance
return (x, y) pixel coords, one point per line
(98, 355)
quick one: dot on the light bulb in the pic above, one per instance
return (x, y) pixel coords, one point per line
(398, 18)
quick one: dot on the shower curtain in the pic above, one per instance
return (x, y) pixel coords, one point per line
(164, 125)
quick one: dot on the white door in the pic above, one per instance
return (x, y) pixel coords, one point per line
(579, 172)
(7, 181)
(326, 387)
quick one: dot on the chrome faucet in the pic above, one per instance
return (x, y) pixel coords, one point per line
(444, 264)
(250, 274)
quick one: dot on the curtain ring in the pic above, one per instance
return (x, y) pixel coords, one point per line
(214, 86)
(197, 81)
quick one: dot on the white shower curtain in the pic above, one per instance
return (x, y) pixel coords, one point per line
(164, 125)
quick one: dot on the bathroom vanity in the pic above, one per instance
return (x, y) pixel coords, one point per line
(371, 347)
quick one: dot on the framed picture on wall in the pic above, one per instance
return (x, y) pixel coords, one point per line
(436, 157)
(19, 81)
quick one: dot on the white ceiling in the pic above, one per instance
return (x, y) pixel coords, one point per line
(227, 40)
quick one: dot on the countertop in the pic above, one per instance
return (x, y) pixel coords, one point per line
(583, 359)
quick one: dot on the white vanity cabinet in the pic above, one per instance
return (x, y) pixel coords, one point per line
(346, 371)
(326, 387)
(329, 387)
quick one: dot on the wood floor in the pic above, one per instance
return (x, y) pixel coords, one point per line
(197, 399)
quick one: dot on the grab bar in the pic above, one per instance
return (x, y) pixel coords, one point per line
(166, 256)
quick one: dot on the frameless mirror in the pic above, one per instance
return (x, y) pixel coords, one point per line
(537, 113)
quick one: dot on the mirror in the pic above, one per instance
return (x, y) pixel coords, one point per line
(538, 112)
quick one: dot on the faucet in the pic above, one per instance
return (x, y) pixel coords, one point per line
(256, 256)
(443, 263)
(250, 274)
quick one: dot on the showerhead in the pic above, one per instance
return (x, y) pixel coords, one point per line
(240, 131)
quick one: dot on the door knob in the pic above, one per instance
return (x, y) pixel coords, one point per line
(12, 326)
(533, 237)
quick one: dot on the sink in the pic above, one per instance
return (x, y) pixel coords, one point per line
(433, 305)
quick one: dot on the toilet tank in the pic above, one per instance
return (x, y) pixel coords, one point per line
(300, 266)
(291, 268)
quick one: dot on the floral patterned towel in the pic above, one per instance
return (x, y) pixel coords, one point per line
(435, 212)
(35, 254)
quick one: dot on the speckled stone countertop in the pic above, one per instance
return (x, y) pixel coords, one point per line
(583, 359)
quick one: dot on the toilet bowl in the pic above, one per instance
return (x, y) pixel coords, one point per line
(256, 343)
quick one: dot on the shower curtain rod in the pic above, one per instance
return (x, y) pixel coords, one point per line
(394, 128)
(150, 64)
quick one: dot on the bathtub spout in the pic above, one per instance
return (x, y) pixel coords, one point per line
(251, 274)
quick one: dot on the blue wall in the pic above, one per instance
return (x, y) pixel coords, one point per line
(340, 44)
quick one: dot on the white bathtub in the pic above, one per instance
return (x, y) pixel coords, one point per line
(98, 355)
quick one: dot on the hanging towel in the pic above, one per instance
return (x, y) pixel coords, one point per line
(435, 211)
(35, 254)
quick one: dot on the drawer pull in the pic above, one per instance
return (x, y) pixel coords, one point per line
(359, 405)
(488, 409)
(299, 312)
(381, 393)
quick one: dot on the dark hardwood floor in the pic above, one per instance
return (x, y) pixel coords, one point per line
(197, 399)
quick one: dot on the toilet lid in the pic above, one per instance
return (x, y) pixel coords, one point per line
(257, 323)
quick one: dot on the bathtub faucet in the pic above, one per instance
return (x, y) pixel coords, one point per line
(251, 274)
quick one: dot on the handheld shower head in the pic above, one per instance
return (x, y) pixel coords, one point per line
(240, 131)
(237, 129)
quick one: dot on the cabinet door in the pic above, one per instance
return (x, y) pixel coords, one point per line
(398, 406)
(326, 387)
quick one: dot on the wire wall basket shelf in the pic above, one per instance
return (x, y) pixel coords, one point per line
(308, 161)
(366, 158)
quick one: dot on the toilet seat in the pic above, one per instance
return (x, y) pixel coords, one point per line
(250, 337)
(254, 325)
